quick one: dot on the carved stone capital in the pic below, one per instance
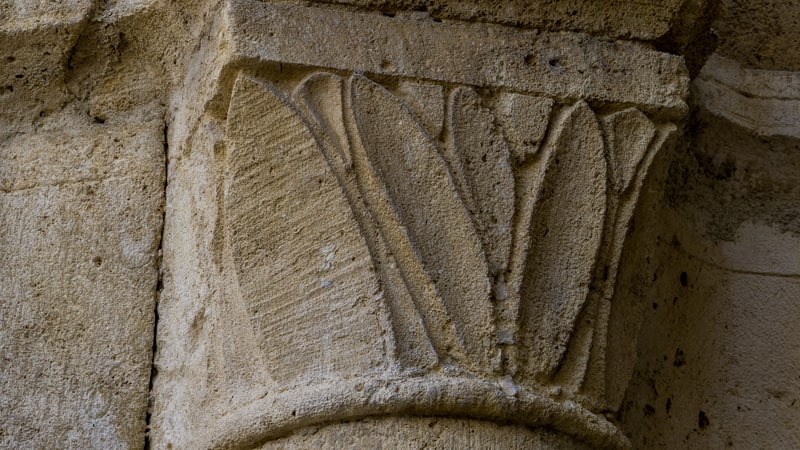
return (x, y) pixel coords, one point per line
(405, 217)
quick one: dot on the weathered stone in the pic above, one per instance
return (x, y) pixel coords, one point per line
(460, 245)
(80, 219)
(646, 20)
(565, 66)
(398, 223)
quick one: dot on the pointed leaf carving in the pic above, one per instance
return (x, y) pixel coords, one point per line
(321, 93)
(303, 268)
(418, 183)
(620, 333)
(426, 101)
(485, 160)
(524, 119)
(409, 346)
(566, 233)
(628, 134)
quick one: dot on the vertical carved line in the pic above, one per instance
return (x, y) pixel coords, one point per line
(484, 157)
(603, 386)
(528, 174)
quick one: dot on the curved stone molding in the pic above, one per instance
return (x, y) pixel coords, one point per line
(277, 415)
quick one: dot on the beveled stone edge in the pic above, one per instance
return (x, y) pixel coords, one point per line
(277, 415)
(561, 65)
(767, 102)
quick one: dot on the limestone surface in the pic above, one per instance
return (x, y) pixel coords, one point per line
(399, 224)
(80, 219)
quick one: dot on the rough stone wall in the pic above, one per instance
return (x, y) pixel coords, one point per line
(505, 224)
(715, 369)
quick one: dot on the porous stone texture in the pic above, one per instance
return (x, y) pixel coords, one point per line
(399, 224)
(80, 215)
(759, 34)
(81, 204)
(422, 432)
(645, 20)
(429, 226)
(714, 369)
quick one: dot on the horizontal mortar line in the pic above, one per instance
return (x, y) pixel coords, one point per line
(741, 271)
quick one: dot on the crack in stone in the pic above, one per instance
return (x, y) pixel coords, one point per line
(159, 288)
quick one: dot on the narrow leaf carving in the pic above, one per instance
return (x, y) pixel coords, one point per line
(618, 336)
(565, 234)
(321, 94)
(485, 160)
(421, 190)
(628, 135)
(303, 268)
(409, 346)
(524, 119)
(426, 101)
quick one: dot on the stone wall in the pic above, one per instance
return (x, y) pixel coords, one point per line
(505, 224)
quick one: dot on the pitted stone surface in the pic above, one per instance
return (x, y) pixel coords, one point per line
(384, 214)
(80, 218)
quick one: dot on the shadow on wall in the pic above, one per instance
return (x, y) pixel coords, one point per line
(719, 354)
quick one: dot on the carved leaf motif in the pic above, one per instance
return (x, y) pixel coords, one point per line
(409, 346)
(419, 185)
(321, 94)
(303, 268)
(619, 338)
(426, 101)
(628, 134)
(485, 160)
(566, 233)
(524, 119)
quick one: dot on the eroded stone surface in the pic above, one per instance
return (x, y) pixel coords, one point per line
(384, 213)
(462, 198)
(415, 432)
(80, 219)
(645, 20)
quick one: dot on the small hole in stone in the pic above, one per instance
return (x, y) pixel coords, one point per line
(98, 261)
(387, 66)
(702, 420)
(529, 60)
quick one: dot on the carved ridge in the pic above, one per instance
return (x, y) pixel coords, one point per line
(279, 414)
